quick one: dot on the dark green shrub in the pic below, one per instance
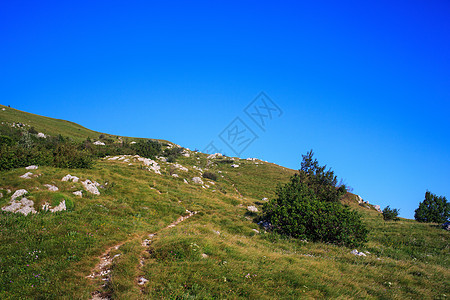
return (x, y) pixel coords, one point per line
(147, 148)
(6, 140)
(67, 155)
(433, 209)
(303, 209)
(32, 130)
(322, 182)
(173, 153)
(390, 214)
(210, 175)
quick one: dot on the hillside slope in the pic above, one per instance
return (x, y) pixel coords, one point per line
(129, 242)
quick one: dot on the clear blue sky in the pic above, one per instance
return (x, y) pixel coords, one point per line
(365, 84)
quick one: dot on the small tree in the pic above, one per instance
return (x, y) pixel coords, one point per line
(433, 209)
(390, 214)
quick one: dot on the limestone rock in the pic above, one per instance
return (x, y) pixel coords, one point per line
(78, 193)
(32, 167)
(91, 187)
(357, 253)
(18, 193)
(215, 155)
(69, 177)
(234, 166)
(27, 175)
(41, 135)
(51, 188)
(252, 208)
(197, 180)
(98, 143)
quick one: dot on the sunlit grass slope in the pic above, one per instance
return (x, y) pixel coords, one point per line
(219, 253)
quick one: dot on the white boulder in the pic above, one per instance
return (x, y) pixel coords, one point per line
(41, 135)
(234, 166)
(357, 253)
(32, 167)
(252, 208)
(215, 155)
(24, 206)
(91, 187)
(69, 177)
(180, 167)
(197, 180)
(98, 143)
(27, 175)
(51, 188)
(18, 193)
(78, 193)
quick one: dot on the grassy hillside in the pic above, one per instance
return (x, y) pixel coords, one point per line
(218, 253)
(46, 125)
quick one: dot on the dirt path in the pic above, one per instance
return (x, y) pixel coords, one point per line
(104, 267)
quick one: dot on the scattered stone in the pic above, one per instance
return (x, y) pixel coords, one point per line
(234, 166)
(175, 175)
(197, 180)
(61, 206)
(215, 155)
(18, 193)
(265, 199)
(32, 167)
(41, 135)
(216, 232)
(180, 167)
(185, 181)
(133, 142)
(256, 230)
(91, 187)
(1, 195)
(252, 208)
(142, 281)
(3, 109)
(78, 193)
(69, 177)
(51, 188)
(378, 208)
(27, 175)
(204, 255)
(161, 158)
(98, 143)
(24, 206)
(357, 253)
(360, 200)
(151, 164)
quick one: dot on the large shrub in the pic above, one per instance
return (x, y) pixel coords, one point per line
(433, 209)
(301, 211)
(67, 155)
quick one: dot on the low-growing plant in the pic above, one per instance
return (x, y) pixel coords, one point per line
(210, 175)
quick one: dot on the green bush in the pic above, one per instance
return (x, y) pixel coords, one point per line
(147, 148)
(390, 214)
(67, 155)
(210, 175)
(322, 182)
(433, 209)
(301, 211)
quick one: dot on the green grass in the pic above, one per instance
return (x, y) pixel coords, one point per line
(48, 255)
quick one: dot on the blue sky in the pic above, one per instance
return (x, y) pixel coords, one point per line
(365, 84)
